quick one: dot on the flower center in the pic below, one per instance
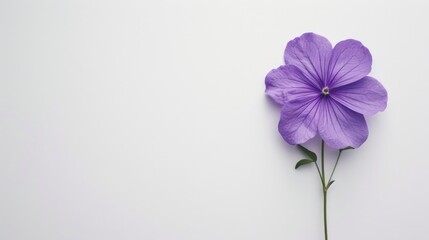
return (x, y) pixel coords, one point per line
(325, 91)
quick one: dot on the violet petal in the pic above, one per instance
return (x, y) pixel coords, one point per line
(310, 53)
(366, 96)
(350, 61)
(341, 127)
(285, 78)
(299, 119)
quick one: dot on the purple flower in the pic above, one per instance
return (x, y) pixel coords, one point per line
(325, 91)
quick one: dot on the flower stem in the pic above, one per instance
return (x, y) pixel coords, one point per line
(325, 195)
(318, 170)
(335, 167)
(323, 163)
(325, 191)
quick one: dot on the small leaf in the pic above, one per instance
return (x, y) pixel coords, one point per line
(303, 162)
(347, 148)
(329, 184)
(307, 152)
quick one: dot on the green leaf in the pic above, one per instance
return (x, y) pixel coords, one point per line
(303, 162)
(307, 152)
(329, 184)
(347, 148)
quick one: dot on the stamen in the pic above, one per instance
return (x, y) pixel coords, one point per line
(325, 91)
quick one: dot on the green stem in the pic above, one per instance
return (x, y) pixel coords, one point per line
(325, 191)
(323, 162)
(335, 167)
(320, 175)
(325, 195)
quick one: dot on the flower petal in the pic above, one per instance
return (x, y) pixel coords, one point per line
(299, 118)
(286, 78)
(310, 53)
(366, 96)
(341, 127)
(350, 61)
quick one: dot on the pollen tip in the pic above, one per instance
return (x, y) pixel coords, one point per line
(325, 91)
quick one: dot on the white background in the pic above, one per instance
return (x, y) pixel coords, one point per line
(148, 120)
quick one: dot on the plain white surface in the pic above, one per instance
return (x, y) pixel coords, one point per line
(148, 120)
